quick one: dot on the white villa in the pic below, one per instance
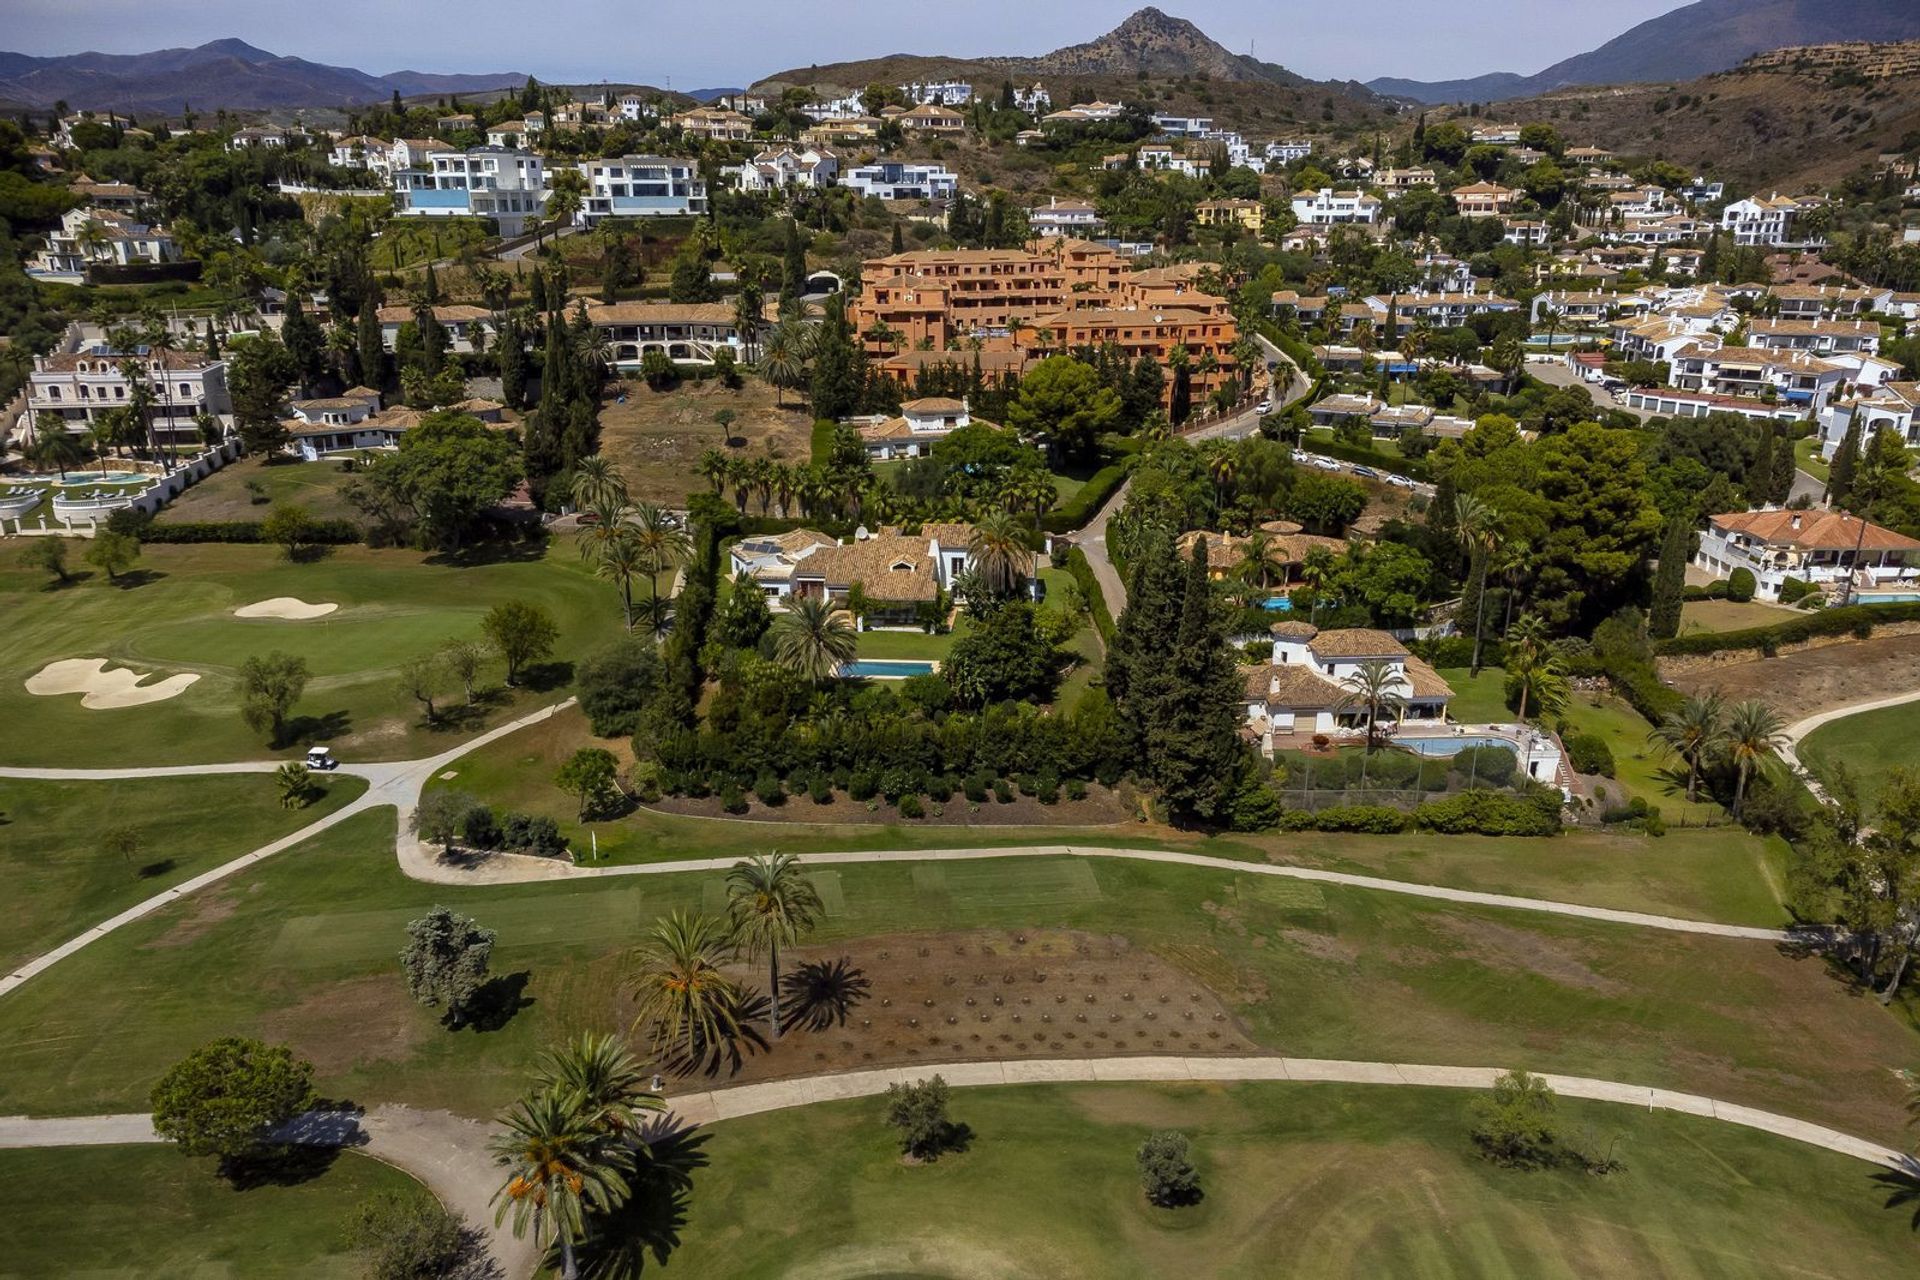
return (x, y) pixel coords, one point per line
(1330, 207)
(921, 425)
(501, 183)
(100, 237)
(1823, 547)
(786, 167)
(1059, 217)
(461, 321)
(899, 574)
(771, 559)
(1303, 689)
(686, 332)
(641, 187)
(82, 385)
(1767, 221)
(1894, 407)
(896, 180)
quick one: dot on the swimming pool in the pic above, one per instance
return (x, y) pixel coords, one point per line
(1277, 604)
(885, 669)
(1903, 597)
(1452, 746)
(104, 477)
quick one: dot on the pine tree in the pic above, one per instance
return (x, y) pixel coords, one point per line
(1846, 462)
(1443, 524)
(302, 339)
(1144, 636)
(1669, 582)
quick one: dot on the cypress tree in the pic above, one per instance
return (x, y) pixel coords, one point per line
(899, 241)
(794, 263)
(212, 341)
(1846, 462)
(373, 354)
(1669, 582)
(301, 336)
(1760, 475)
(1144, 636)
(510, 352)
(1443, 525)
(1197, 730)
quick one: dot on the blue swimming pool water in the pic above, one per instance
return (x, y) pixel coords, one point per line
(1277, 604)
(1450, 746)
(1905, 597)
(884, 669)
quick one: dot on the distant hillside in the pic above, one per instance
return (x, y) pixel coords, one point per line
(1701, 38)
(1150, 53)
(224, 73)
(1756, 128)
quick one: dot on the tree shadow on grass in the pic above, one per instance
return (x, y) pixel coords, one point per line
(308, 731)
(822, 992)
(74, 578)
(492, 551)
(503, 996)
(1902, 1186)
(545, 677)
(647, 1227)
(160, 868)
(134, 578)
(729, 1053)
(281, 1164)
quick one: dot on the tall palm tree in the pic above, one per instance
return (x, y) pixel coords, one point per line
(1317, 568)
(1376, 687)
(998, 551)
(713, 465)
(1539, 676)
(57, 448)
(813, 638)
(607, 1079)
(621, 559)
(663, 543)
(1694, 732)
(747, 320)
(561, 1166)
(771, 902)
(1755, 734)
(1257, 558)
(782, 362)
(1475, 520)
(685, 1003)
(597, 482)
(1222, 462)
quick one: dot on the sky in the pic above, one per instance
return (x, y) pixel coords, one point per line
(703, 45)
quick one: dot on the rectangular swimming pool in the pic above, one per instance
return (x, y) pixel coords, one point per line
(1452, 746)
(885, 669)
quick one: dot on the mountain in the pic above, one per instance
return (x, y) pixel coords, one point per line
(223, 73)
(1696, 40)
(1153, 43)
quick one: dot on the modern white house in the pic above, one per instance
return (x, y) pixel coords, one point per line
(346, 423)
(100, 237)
(1304, 688)
(1329, 207)
(641, 187)
(501, 183)
(951, 93)
(898, 180)
(1826, 548)
(1768, 222)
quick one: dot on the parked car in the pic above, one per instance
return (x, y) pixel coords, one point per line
(1367, 472)
(1403, 481)
(1264, 408)
(321, 758)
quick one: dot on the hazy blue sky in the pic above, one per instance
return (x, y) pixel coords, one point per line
(736, 41)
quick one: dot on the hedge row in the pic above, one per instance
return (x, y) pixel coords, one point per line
(1490, 813)
(333, 533)
(1082, 506)
(1855, 619)
(1082, 572)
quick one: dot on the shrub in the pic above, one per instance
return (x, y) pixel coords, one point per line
(1857, 620)
(1515, 1126)
(919, 1112)
(820, 789)
(1492, 813)
(479, 829)
(976, 787)
(1002, 792)
(1167, 1174)
(732, 799)
(1029, 785)
(1493, 766)
(1047, 789)
(862, 785)
(899, 782)
(940, 789)
(767, 787)
(1589, 753)
(1076, 789)
(1740, 586)
(1376, 819)
(910, 806)
(532, 834)
(408, 1238)
(1793, 590)
(1093, 495)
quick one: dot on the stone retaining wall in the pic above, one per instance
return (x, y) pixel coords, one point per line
(1688, 663)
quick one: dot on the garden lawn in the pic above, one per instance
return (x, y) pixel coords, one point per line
(1729, 615)
(303, 949)
(1869, 745)
(178, 617)
(224, 494)
(1480, 699)
(908, 644)
(1298, 1180)
(1806, 456)
(1640, 768)
(62, 878)
(147, 1212)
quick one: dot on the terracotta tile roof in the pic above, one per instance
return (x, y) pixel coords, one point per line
(1426, 682)
(934, 405)
(1293, 685)
(1357, 642)
(660, 313)
(451, 313)
(1814, 531)
(1291, 630)
(890, 567)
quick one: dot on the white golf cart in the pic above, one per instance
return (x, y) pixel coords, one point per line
(321, 758)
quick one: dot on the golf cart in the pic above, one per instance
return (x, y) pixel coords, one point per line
(321, 758)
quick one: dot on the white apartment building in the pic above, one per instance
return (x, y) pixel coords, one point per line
(1287, 151)
(948, 93)
(1059, 217)
(684, 332)
(896, 180)
(97, 237)
(1329, 207)
(81, 386)
(501, 183)
(1768, 222)
(1822, 337)
(641, 187)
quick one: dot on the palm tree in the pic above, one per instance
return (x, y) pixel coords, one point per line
(1222, 463)
(1755, 734)
(57, 447)
(1317, 568)
(621, 560)
(684, 1000)
(1257, 558)
(999, 552)
(1539, 676)
(597, 482)
(561, 1166)
(813, 638)
(663, 543)
(1475, 520)
(607, 1080)
(1694, 732)
(771, 902)
(782, 362)
(1376, 686)
(713, 465)
(747, 319)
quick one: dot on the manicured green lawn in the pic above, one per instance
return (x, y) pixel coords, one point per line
(1728, 615)
(1299, 1180)
(1480, 699)
(131, 1213)
(394, 606)
(1806, 456)
(1640, 768)
(1869, 745)
(302, 949)
(906, 644)
(61, 877)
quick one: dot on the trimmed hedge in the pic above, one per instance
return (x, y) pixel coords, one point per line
(1492, 813)
(333, 533)
(1854, 619)
(1082, 573)
(1589, 753)
(1082, 506)
(1413, 468)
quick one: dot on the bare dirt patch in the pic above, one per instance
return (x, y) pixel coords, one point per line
(199, 914)
(987, 994)
(1815, 680)
(1501, 947)
(657, 437)
(346, 1024)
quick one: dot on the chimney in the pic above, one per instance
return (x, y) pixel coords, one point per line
(1795, 523)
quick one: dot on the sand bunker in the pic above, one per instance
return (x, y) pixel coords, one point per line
(285, 608)
(104, 689)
